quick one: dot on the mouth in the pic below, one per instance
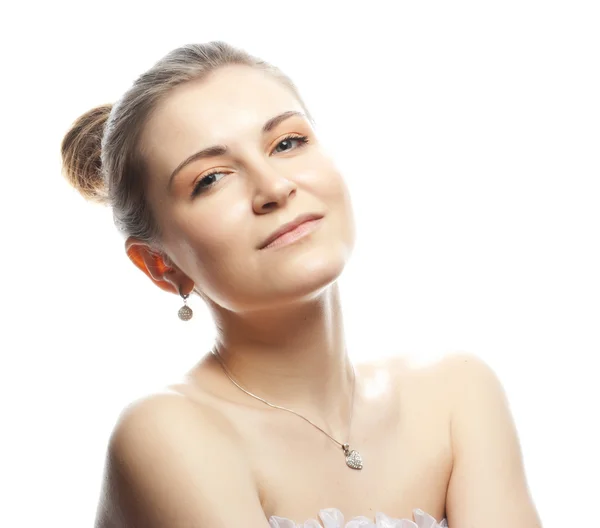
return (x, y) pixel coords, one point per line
(291, 231)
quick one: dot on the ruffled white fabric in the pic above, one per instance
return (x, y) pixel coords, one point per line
(333, 518)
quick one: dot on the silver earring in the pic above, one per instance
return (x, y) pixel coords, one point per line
(185, 312)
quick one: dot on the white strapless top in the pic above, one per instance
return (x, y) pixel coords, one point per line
(333, 518)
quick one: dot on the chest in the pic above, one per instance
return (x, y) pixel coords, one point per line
(407, 462)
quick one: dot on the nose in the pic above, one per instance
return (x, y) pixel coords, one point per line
(272, 189)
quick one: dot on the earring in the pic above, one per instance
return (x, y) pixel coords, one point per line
(185, 312)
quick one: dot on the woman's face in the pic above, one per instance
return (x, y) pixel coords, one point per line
(216, 211)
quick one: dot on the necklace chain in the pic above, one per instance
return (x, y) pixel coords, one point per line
(345, 447)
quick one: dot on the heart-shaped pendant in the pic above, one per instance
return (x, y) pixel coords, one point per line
(354, 460)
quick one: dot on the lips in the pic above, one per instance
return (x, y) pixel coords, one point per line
(290, 226)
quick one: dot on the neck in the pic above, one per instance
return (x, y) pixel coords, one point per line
(294, 356)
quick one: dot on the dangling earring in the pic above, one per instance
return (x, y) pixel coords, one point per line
(185, 312)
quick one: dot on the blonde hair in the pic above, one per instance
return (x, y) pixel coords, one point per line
(100, 152)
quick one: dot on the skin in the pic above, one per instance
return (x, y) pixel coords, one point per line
(201, 453)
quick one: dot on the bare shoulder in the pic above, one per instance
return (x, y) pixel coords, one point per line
(488, 486)
(171, 410)
(443, 369)
(433, 384)
(432, 372)
(172, 461)
(465, 363)
(167, 417)
(453, 376)
(469, 377)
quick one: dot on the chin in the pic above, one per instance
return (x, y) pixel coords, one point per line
(293, 274)
(309, 274)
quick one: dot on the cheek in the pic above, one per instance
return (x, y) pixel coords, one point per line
(220, 238)
(218, 242)
(337, 197)
(330, 188)
(334, 192)
(325, 181)
(215, 259)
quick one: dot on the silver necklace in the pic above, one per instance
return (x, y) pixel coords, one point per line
(353, 458)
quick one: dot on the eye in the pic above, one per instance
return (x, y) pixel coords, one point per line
(206, 182)
(287, 143)
(289, 140)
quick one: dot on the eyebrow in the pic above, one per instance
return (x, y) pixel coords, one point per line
(220, 150)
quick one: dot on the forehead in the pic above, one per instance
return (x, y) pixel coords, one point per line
(230, 105)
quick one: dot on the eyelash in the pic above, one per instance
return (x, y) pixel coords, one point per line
(199, 188)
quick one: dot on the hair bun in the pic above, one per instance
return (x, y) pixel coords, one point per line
(81, 154)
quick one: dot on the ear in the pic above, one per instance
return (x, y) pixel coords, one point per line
(157, 267)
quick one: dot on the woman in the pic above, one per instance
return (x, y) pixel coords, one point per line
(217, 178)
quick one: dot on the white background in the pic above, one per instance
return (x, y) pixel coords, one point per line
(469, 135)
